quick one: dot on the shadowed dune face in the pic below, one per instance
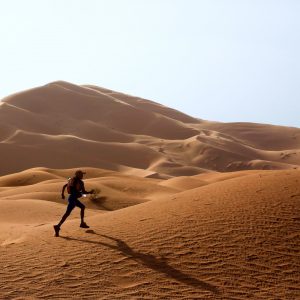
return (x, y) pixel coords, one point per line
(97, 127)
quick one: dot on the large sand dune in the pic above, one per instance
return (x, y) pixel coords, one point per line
(65, 120)
(187, 208)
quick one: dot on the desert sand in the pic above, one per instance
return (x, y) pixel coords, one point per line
(188, 208)
(110, 130)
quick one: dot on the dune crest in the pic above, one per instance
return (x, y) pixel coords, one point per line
(62, 116)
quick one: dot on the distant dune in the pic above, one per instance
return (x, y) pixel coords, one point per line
(186, 209)
(63, 120)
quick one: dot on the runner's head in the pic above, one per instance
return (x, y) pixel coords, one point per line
(79, 174)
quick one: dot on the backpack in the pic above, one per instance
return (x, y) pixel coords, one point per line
(71, 182)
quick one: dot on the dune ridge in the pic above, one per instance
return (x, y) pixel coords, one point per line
(101, 122)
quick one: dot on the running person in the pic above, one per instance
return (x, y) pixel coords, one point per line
(76, 189)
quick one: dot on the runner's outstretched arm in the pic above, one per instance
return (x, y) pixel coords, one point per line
(86, 192)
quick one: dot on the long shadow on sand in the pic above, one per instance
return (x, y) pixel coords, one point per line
(157, 264)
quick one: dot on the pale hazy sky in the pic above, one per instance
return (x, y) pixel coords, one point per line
(221, 60)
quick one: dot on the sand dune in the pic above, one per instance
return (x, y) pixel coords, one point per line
(148, 105)
(59, 99)
(117, 190)
(261, 136)
(109, 127)
(186, 209)
(232, 239)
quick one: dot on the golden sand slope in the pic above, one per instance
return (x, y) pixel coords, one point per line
(97, 127)
(118, 190)
(237, 237)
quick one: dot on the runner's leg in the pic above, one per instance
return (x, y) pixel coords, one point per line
(82, 207)
(70, 207)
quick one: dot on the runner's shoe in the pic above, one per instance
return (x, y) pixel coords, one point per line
(84, 225)
(56, 229)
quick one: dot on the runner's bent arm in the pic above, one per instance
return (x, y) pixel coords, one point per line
(63, 191)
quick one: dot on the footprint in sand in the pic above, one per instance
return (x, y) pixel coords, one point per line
(38, 225)
(12, 241)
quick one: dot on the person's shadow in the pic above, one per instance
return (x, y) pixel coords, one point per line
(157, 264)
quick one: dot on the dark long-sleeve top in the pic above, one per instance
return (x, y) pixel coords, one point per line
(77, 187)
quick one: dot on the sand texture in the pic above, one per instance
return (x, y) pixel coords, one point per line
(229, 238)
(187, 208)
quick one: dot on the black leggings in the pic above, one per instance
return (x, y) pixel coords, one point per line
(72, 203)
